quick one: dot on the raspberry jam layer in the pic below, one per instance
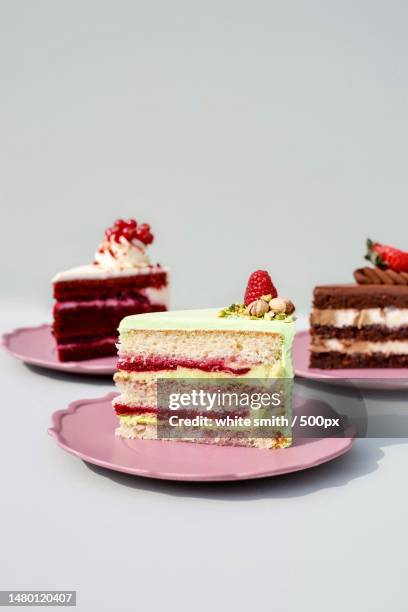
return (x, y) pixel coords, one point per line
(122, 409)
(155, 364)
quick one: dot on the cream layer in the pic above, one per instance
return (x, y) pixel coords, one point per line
(386, 317)
(156, 297)
(390, 347)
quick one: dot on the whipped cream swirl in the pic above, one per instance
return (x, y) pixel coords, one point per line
(113, 255)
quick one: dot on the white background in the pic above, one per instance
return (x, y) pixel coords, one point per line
(249, 134)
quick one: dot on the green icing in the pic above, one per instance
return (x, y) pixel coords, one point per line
(208, 319)
(202, 319)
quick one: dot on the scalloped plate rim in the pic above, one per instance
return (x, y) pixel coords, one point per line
(55, 431)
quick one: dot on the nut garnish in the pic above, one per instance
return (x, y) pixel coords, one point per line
(277, 305)
(263, 308)
(257, 308)
(290, 307)
(235, 310)
(281, 305)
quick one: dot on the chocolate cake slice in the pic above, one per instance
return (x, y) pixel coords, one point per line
(360, 326)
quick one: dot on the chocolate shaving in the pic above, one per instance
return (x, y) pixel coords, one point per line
(376, 276)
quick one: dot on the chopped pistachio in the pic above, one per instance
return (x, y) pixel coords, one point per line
(241, 311)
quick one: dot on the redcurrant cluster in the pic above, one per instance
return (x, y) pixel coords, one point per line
(130, 230)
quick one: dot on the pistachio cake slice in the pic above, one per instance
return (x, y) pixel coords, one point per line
(233, 343)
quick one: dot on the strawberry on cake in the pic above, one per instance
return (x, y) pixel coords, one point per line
(250, 340)
(92, 299)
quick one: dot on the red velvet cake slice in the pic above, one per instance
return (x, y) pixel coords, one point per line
(91, 300)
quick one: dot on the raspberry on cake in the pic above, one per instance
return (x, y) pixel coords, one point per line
(237, 342)
(364, 325)
(259, 284)
(91, 300)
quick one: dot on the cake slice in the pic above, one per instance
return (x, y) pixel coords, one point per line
(237, 343)
(91, 300)
(363, 325)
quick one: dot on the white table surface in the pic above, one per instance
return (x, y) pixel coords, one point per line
(331, 538)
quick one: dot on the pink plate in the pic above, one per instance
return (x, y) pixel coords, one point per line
(87, 429)
(369, 378)
(36, 345)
